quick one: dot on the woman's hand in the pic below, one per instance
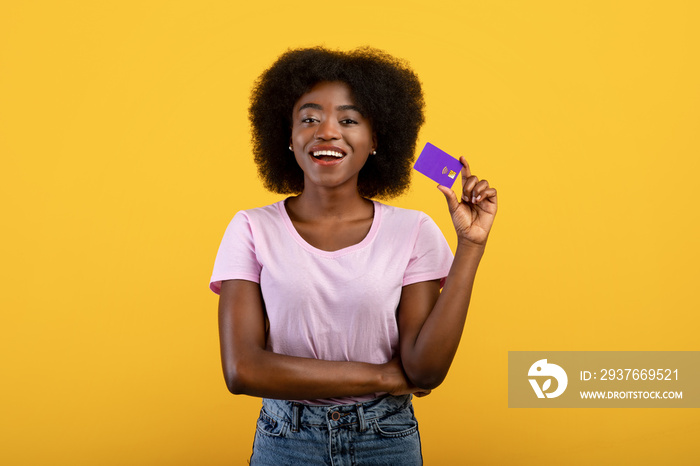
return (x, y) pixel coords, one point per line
(398, 382)
(474, 215)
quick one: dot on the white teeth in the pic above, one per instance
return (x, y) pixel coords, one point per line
(331, 153)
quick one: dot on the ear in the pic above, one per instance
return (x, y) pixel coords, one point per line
(374, 140)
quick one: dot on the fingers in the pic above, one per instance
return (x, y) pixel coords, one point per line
(477, 192)
(474, 190)
(450, 196)
(468, 185)
(466, 172)
(473, 193)
(468, 180)
(488, 194)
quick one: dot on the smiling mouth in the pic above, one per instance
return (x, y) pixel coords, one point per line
(327, 154)
(327, 157)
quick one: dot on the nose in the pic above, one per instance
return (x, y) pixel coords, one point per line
(328, 129)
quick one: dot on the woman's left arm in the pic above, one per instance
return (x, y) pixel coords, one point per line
(430, 322)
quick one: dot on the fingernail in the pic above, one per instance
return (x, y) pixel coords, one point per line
(478, 198)
(473, 199)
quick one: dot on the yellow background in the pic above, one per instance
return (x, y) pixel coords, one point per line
(125, 152)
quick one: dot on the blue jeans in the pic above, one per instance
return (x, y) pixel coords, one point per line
(382, 431)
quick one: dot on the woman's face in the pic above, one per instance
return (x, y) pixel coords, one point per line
(331, 139)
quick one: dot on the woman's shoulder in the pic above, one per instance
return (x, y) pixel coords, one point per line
(405, 225)
(257, 222)
(263, 213)
(402, 216)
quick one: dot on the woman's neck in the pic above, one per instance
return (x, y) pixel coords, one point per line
(317, 204)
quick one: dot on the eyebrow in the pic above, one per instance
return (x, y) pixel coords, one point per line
(339, 107)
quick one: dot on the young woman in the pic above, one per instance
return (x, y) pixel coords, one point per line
(330, 305)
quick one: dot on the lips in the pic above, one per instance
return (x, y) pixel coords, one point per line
(327, 155)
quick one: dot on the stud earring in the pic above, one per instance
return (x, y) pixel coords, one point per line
(374, 152)
(290, 148)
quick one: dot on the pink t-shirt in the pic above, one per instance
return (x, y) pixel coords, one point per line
(332, 305)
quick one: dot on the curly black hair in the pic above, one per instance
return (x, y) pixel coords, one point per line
(384, 87)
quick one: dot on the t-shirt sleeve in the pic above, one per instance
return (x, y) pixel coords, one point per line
(236, 258)
(431, 257)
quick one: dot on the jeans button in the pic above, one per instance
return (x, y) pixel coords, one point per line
(335, 415)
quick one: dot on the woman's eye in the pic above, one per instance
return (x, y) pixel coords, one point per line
(308, 120)
(348, 121)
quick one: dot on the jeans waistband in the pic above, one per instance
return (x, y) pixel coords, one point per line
(334, 416)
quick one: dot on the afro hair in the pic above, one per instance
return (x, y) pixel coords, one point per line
(384, 87)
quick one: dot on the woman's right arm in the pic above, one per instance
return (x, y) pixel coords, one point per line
(250, 369)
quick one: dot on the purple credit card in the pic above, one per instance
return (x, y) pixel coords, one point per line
(438, 165)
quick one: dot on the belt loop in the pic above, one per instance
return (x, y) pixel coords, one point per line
(296, 416)
(361, 417)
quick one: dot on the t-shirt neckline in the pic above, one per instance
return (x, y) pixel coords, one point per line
(376, 220)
